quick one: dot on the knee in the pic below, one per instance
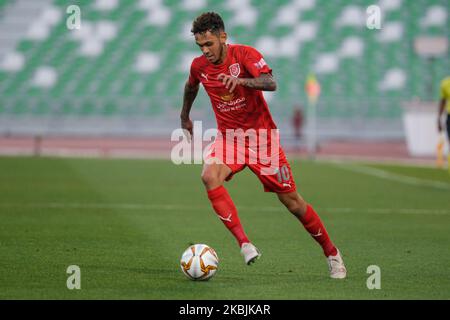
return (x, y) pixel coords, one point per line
(210, 179)
(297, 206)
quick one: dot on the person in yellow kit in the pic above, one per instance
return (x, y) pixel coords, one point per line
(445, 104)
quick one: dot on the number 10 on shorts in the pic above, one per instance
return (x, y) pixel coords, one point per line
(283, 174)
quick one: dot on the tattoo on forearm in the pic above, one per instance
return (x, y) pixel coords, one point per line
(190, 93)
(264, 82)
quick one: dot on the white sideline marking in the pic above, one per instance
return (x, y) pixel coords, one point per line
(130, 206)
(394, 176)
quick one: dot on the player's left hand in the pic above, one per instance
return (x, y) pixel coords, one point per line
(229, 81)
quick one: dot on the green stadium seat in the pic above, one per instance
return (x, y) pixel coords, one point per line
(112, 73)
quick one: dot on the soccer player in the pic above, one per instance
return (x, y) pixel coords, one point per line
(445, 104)
(234, 77)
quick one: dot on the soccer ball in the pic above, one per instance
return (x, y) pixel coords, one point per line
(199, 262)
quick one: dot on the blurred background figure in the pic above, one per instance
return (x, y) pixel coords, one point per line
(444, 104)
(297, 125)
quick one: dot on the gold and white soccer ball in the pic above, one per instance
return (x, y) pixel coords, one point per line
(199, 262)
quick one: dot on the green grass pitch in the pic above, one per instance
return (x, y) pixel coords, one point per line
(125, 223)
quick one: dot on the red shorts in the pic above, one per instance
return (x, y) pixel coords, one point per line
(268, 164)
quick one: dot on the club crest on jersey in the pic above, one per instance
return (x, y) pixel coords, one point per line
(235, 70)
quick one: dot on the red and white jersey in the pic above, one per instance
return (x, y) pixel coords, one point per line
(244, 108)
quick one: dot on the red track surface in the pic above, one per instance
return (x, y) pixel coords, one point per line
(161, 148)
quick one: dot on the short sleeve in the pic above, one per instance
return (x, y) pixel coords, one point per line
(193, 76)
(254, 62)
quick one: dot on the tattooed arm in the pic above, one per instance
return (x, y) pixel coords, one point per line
(190, 93)
(264, 82)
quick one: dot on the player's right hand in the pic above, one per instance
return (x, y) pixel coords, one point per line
(187, 126)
